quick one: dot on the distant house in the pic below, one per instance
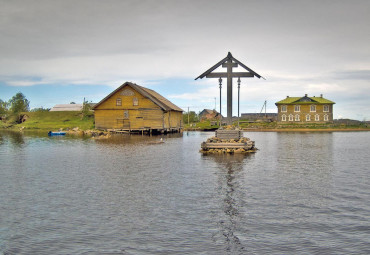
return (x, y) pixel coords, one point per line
(305, 110)
(259, 116)
(67, 107)
(208, 114)
(133, 107)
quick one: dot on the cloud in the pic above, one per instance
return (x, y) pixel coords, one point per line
(300, 47)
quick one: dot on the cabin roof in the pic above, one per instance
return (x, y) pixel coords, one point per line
(158, 99)
(208, 111)
(66, 107)
(305, 100)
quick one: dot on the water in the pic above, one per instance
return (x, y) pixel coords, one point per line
(301, 193)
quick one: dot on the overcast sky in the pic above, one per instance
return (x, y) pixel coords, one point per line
(61, 51)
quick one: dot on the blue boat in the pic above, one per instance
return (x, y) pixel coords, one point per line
(56, 133)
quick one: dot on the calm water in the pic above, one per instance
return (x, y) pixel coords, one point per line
(301, 193)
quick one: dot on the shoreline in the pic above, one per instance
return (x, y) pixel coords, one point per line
(295, 130)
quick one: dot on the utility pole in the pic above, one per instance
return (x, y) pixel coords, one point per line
(188, 116)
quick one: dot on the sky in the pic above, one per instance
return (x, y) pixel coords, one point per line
(57, 52)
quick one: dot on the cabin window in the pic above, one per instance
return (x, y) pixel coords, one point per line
(297, 108)
(283, 108)
(283, 117)
(317, 117)
(118, 102)
(326, 117)
(135, 101)
(326, 108)
(125, 114)
(313, 108)
(308, 117)
(291, 117)
(297, 117)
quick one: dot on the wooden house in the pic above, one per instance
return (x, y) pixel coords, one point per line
(305, 110)
(208, 114)
(134, 108)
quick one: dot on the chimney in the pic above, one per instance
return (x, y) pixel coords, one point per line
(305, 95)
(320, 95)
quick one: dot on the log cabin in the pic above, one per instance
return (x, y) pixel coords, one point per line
(134, 108)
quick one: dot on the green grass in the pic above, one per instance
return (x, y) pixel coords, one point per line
(54, 121)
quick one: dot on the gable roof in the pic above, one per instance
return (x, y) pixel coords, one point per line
(305, 100)
(207, 111)
(158, 99)
(66, 107)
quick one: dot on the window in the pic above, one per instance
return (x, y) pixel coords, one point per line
(308, 117)
(313, 108)
(125, 114)
(297, 117)
(326, 108)
(326, 117)
(291, 117)
(297, 108)
(317, 117)
(118, 101)
(135, 101)
(283, 117)
(283, 108)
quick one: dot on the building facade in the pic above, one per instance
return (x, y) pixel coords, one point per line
(305, 110)
(135, 108)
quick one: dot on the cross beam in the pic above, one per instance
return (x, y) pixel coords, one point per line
(229, 62)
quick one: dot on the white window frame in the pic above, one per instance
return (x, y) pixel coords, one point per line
(283, 117)
(326, 117)
(284, 108)
(297, 108)
(313, 108)
(135, 101)
(297, 117)
(308, 117)
(317, 117)
(118, 102)
(326, 108)
(291, 117)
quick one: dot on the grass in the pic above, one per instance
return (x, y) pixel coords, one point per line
(274, 125)
(54, 121)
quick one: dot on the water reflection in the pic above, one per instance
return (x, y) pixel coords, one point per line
(15, 138)
(231, 194)
(122, 139)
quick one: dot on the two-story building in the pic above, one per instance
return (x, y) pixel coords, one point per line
(134, 108)
(305, 110)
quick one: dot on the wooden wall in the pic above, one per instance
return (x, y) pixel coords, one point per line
(145, 115)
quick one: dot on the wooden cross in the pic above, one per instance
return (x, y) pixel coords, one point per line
(229, 62)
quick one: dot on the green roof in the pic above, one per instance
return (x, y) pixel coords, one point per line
(311, 100)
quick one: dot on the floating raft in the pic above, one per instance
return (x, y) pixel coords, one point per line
(228, 141)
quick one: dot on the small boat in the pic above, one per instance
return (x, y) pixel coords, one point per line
(56, 133)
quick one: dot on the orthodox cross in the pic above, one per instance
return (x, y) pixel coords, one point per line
(229, 62)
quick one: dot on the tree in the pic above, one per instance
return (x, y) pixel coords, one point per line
(193, 117)
(3, 108)
(19, 103)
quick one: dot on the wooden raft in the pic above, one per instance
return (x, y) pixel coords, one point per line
(246, 146)
(229, 134)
